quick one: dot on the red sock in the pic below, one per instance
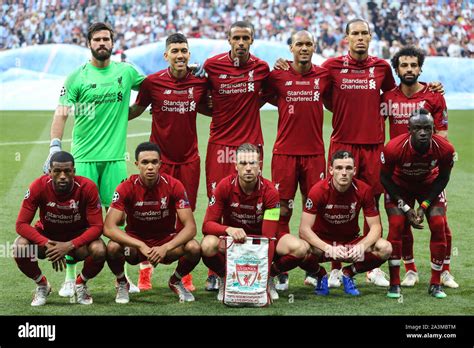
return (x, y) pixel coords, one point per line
(336, 265)
(116, 265)
(42, 281)
(447, 259)
(407, 249)
(80, 279)
(437, 246)
(28, 267)
(92, 267)
(394, 270)
(210, 272)
(284, 263)
(348, 271)
(370, 262)
(185, 266)
(216, 263)
(321, 272)
(310, 264)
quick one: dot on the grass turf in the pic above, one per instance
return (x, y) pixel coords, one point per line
(23, 148)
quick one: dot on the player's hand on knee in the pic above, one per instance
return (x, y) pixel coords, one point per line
(420, 213)
(281, 64)
(356, 253)
(157, 254)
(237, 234)
(54, 146)
(55, 251)
(336, 252)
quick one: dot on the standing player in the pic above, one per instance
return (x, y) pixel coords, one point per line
(417, 166)
(175, 96)
(245, 203)
(330, 228)
(397, 105)
(235, 79)
(70, 224)
(298, 153)
(152, 203)
(99, 92)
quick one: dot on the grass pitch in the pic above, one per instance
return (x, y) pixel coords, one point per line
(24, 146)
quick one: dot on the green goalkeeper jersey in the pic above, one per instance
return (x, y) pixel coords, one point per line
(100, 98)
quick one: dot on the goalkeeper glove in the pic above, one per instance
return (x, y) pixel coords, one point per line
(54, 146)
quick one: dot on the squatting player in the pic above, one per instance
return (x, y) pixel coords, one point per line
(175, 96)
(246, 203)
(398, 104)
(330, 228)
(416, 167)
(99, 92)
(152, 202)
(298, 153)
(235, 79)
(70, 223)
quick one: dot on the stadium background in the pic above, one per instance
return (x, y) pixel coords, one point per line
(41, 43)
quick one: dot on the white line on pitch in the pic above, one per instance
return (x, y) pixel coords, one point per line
(133, 135)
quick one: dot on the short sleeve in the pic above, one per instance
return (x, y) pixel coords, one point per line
(120, 196)
(70, 91)
(180, 196)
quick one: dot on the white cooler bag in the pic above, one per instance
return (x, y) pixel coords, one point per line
(246, 272)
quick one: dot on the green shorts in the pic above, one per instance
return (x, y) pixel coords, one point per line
(107, 176)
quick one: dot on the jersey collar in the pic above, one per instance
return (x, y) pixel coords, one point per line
(170, 75)
(238, 190)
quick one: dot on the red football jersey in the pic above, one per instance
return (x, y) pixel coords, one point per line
(337, 213)
(300, 110)
(235, 91)
(355, 100)
(173, 105)
(151, 213)
(398, 108)
(76, 215)
(230, 206)
(406, 166)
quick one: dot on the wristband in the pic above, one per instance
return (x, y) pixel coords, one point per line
(405, 208)
(55, 142)
(425, 204)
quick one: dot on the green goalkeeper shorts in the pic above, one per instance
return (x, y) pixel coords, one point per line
(107, 176)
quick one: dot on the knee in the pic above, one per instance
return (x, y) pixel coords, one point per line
(437, 227)
(114, 250)
(193, 248)
(98, 251)
(209, 245)
(384, 248)
(298, 249)
(21, 247)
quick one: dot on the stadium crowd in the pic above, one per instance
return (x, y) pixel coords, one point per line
(440, 27)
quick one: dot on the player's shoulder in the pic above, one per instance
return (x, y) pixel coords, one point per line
(360, 186)
(218, 59)
(41, 182)
(268, 185)
(391, 93)
(442, 143)
(320, 187)
(84, 182)
(332, 62)
(399, 141)
(257, 61)
(129, 183)
(374, 60)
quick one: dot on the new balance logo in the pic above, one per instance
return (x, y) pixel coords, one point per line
(167, 91)
(288, 83)
(234, 205)
(344, 71)
(223, 76)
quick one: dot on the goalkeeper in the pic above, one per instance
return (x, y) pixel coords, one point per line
(99, 92)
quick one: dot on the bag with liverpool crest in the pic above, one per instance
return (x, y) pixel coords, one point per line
(247, 275)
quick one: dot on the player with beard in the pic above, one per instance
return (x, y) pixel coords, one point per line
(397, 105)
(416, 166)
(97, 94)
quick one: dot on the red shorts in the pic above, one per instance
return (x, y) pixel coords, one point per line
(288, 171)
(220, 162)
(188, 174)
(152, 243)
(419, 194)
(367, 162)
(63, 237)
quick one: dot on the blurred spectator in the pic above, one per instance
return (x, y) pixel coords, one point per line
(440, 27)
